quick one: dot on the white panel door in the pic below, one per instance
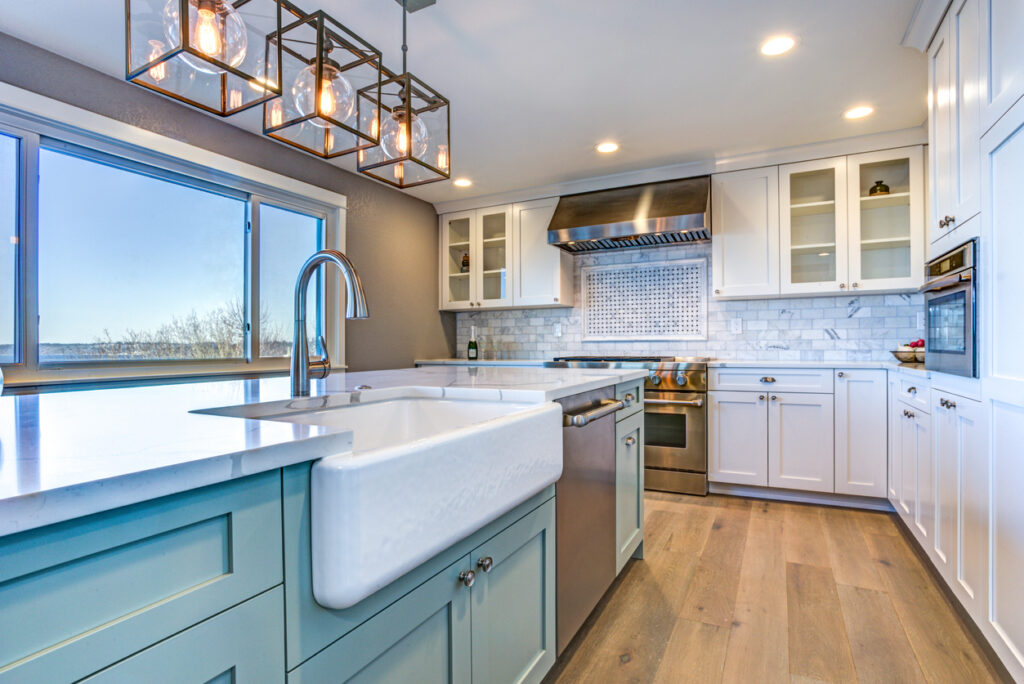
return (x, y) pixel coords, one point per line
(801, 441)
(895, 444)
(861, 423)
(458, 237)
(738, 437)
(1002, 58)
(543, 272)
(947, 472)
(965, 111)
(971, 568)
(492, 266)
(1002, 288)
(940, 132)
(745, 232)
(812, 228)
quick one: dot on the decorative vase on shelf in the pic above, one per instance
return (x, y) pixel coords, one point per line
(879, 188)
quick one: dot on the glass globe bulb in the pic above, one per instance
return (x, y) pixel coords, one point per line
(337, 97)
(395, 135)
(215, 29)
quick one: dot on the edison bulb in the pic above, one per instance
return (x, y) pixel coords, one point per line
(157, 72)
(215, 29)
(337, 97)
(395, 135)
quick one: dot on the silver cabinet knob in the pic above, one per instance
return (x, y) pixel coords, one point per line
(718, 292)
(856, 284)
(841, 374)
(485, 563)
(774, 398)
(630, 441)
(842, 286)
(911, 390)
(467, 577)
(556, 299)
(760, 397)
(768, 379)
(629, 399)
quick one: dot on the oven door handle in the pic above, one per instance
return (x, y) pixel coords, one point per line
(676, 402)
(947, 282)
(585, 418)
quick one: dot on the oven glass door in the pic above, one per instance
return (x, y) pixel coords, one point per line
(674, 433)
(950, 336)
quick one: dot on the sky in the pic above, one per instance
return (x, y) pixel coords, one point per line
(119, 250)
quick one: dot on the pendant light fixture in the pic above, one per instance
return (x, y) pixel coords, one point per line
(414, 130)
(220, 56)
(332, 83)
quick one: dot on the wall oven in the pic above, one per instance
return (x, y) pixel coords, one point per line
(950, 300)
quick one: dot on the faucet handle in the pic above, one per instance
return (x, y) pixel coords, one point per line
(320, 367)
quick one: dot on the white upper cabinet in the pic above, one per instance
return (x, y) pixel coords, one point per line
(954, 128)
(544, 275)
(1002, 58)
(499, 258)
(886, 224)
(812, 199)
(745, 232)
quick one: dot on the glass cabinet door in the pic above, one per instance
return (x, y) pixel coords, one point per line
(886, 220)
(457, 258)
(493, 286)
(813, 226)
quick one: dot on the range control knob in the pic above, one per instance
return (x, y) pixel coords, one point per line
(655, 378)
(682, 379)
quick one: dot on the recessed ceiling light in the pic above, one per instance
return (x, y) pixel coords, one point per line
(608, 147)
(463, 182)
(777, 45)
(858, 112)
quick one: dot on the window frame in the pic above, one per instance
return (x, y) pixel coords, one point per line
(34, 134)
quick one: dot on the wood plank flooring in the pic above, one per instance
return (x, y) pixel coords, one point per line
(738, 590)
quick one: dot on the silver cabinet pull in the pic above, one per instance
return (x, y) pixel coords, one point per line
(467, 577)
(950, 404)
(485, 563)
(768, 379)
(629, 399)
(587, 417)
(630, 441)
(676, 402)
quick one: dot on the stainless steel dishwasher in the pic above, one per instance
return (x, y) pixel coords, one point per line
(585, 509)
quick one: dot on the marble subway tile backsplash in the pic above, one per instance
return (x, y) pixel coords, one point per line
(844, 328)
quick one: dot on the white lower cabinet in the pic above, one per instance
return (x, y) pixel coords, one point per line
(801, 454)
(738, 437)
(861, 436)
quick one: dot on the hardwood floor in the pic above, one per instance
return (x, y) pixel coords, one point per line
(738, 590)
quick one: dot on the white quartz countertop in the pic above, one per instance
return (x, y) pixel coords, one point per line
(535, 363)
(714, 363)
(64, 455)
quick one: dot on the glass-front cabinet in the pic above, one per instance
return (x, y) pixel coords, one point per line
(813, 224)
(886, 219)
(475, 259)
(852, 224)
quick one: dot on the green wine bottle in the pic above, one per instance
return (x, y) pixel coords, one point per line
(471, 351)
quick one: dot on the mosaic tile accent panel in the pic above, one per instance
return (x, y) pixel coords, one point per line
(824, 329)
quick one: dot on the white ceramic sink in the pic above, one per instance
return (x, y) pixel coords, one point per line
(423, 474)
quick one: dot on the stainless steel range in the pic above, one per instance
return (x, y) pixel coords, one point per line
(675, 418)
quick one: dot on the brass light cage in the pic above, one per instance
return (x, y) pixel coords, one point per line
(415, 144)
(162, 54)
(318, 54)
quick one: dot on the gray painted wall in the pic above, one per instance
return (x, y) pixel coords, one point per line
(392, 237)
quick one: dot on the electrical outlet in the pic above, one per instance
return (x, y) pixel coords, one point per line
(558, 329)
(920, 320)
(736, 326)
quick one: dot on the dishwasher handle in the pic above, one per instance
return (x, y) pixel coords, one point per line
(586, 417)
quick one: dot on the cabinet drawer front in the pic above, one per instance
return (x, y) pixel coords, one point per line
(913, 391)
(813, 380)
(514, 601)
(632, 393)
(244, 644)
(423, 637)
(117, 582)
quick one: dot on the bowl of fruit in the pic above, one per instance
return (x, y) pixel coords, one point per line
(909, 353)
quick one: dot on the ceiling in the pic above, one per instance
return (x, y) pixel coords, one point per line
(535, 84)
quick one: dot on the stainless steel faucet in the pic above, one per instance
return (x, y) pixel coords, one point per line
(354, 308)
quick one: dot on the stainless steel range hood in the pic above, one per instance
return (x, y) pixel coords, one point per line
(665, 213)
